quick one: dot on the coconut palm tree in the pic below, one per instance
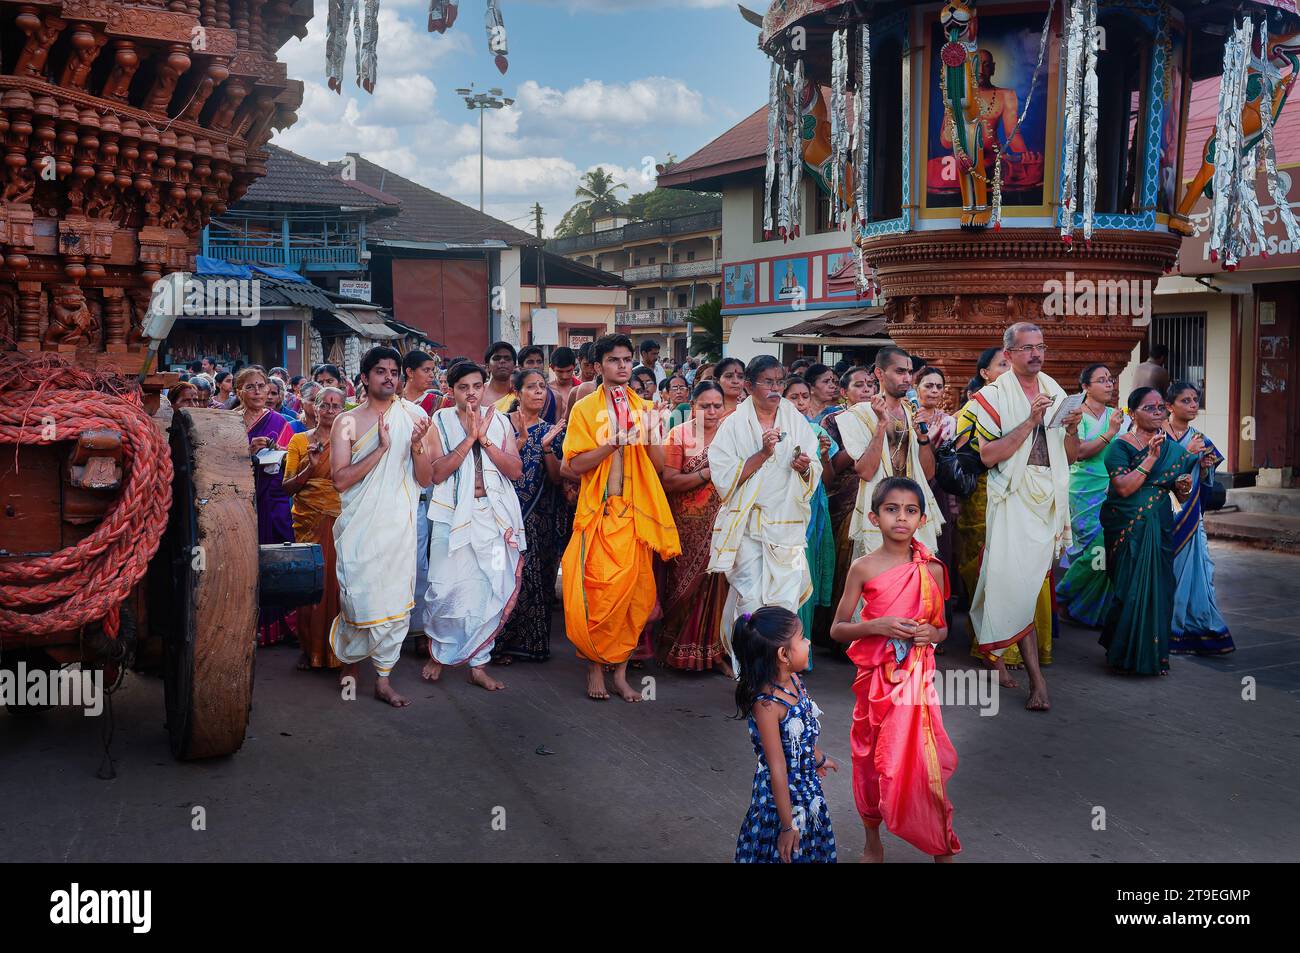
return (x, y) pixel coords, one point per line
(596, 194)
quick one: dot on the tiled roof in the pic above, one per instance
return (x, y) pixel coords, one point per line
(291, 178)
(741, 148)
(427, 216)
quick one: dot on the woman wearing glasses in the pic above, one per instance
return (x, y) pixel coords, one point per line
(1084, 591)
(1197, 626)
(1145, 467)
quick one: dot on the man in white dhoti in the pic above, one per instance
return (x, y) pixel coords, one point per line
(420, 371)
(476, 530)
(1028, 515)
(883, 439)
(379, 464)
(763, 462)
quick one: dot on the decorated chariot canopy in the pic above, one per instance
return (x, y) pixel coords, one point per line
(980, 154)
(1069, 114)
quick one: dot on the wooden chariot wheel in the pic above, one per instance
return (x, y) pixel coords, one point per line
(203, 587)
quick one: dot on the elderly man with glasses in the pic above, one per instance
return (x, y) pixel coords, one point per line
(1028, 516)
(765, 465)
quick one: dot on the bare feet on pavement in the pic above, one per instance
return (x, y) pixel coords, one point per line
(480, 677)
(384, 692)
(596, 688)
(432, 670)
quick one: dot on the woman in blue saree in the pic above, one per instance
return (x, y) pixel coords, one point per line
(527, 633)
(1198, 627)
(1137, 520)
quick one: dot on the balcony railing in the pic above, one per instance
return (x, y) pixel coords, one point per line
(643, 273)
(694, 269)
(285, 257)
(658, 317)
(679, 225)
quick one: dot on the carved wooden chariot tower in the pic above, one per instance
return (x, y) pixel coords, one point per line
(125, 125)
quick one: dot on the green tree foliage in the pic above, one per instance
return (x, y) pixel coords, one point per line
(668, 203)
(576, 221)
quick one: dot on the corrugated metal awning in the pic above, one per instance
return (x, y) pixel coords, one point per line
(375, 330)
(852, 323)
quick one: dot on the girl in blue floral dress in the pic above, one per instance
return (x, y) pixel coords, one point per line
(788, 820)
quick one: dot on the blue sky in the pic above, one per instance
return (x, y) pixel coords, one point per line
(597, 82)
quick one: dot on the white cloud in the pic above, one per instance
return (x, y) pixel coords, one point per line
(654, 99)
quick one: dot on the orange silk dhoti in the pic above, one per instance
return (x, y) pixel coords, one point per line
(609, 586)
(902, 757)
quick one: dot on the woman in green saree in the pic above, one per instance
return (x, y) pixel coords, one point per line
(1137, 520)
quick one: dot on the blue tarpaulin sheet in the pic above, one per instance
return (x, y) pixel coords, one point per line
(217, 266)
(281, 273)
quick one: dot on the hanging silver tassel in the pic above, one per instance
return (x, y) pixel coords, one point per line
(496, 32)
(1092, 43)
(442, 15)
(782, 160)
(796, 147)
(839, 108)
(1272, 77)
(1225, 231)
(1249, 214)
(341, 13)
(1080, 119)
(773, 116)
(368, 49)
(863, 116)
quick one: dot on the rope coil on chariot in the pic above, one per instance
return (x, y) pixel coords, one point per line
(45, 399)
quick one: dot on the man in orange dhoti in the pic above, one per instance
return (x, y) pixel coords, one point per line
(622, 520)
(902, 758)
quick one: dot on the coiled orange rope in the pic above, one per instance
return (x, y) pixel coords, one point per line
(44, 399)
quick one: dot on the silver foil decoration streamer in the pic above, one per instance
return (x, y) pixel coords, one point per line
(1092, 42)
(1251, 218)
(1225, 230)
(495, 25)
(796, 147)
(862, 115)
(773, 117)
(442, 15)
(367, 49)
(1081, 47)
(1272, 77)
(341, 14)
(783, 159)
(839, 108)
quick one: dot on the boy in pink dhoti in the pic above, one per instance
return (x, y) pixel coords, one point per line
(902, 758)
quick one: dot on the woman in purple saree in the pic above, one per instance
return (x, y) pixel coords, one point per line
(267, 431)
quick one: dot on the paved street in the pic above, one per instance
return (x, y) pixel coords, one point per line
(1185, 769)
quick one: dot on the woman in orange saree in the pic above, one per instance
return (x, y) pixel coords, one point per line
(315, 505)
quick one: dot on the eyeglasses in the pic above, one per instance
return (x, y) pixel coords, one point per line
(1029, 349)
(769, 383)
(1156, 409)
(1102, 380)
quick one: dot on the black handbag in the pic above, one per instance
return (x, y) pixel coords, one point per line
(958, 469)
